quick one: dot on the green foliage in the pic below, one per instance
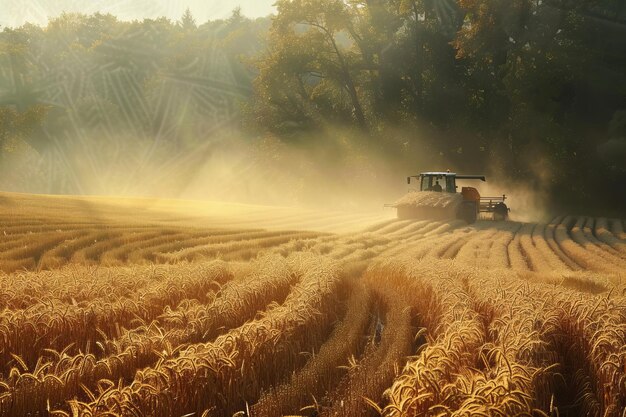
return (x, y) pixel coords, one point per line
(187, 21)
(154, 79)
(520, 88)
(15, 126)
(314, 71)
(525, 89)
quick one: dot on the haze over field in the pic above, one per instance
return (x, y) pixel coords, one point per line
(17, 12)
(329, 104)
(193, 217)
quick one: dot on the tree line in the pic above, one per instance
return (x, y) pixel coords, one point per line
(528, 90)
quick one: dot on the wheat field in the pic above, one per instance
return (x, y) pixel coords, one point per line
(139, 307)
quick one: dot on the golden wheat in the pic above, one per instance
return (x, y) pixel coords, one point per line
(399, 318)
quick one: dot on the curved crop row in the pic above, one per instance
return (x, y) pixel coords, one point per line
(519, 358)
(321, 373)
(217, 249)
(554, 262)
(581, 234)
(550, 236)
(586, 259)
(237, 301)
(225, 374)
(601, 230)
(454, 333)
(27, 333)
(617, 228)
(358, 391)
(476, 247)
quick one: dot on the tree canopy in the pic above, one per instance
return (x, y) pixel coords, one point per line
(524, 89)
(532, 91)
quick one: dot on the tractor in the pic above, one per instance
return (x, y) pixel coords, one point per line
(438, 197)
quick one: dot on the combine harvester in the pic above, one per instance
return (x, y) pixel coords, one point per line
(438, 199)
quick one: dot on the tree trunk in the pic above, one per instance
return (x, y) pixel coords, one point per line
(349, 83)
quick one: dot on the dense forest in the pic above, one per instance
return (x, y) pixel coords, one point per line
(527, 91)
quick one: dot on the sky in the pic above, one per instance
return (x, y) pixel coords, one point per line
(17, 12)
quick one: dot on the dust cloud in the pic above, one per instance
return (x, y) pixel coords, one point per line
(334, 171)
(329, 172)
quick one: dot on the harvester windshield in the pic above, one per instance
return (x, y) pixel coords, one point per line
(432, 182)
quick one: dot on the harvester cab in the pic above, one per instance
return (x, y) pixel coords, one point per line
(446, 180)
(467, 205)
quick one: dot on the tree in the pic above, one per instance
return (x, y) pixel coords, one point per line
(187, 21)
(236, 17)
(313, 69)
(17, 126)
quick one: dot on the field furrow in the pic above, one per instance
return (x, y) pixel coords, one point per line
(584, 254)
(453, 333)
(159, 308)
(392, 341)
(324, 369)
(603, 233)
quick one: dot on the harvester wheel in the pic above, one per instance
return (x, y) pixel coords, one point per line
(467, 212)
(500, 212)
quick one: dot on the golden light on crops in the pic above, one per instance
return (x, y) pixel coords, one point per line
(164, 308)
